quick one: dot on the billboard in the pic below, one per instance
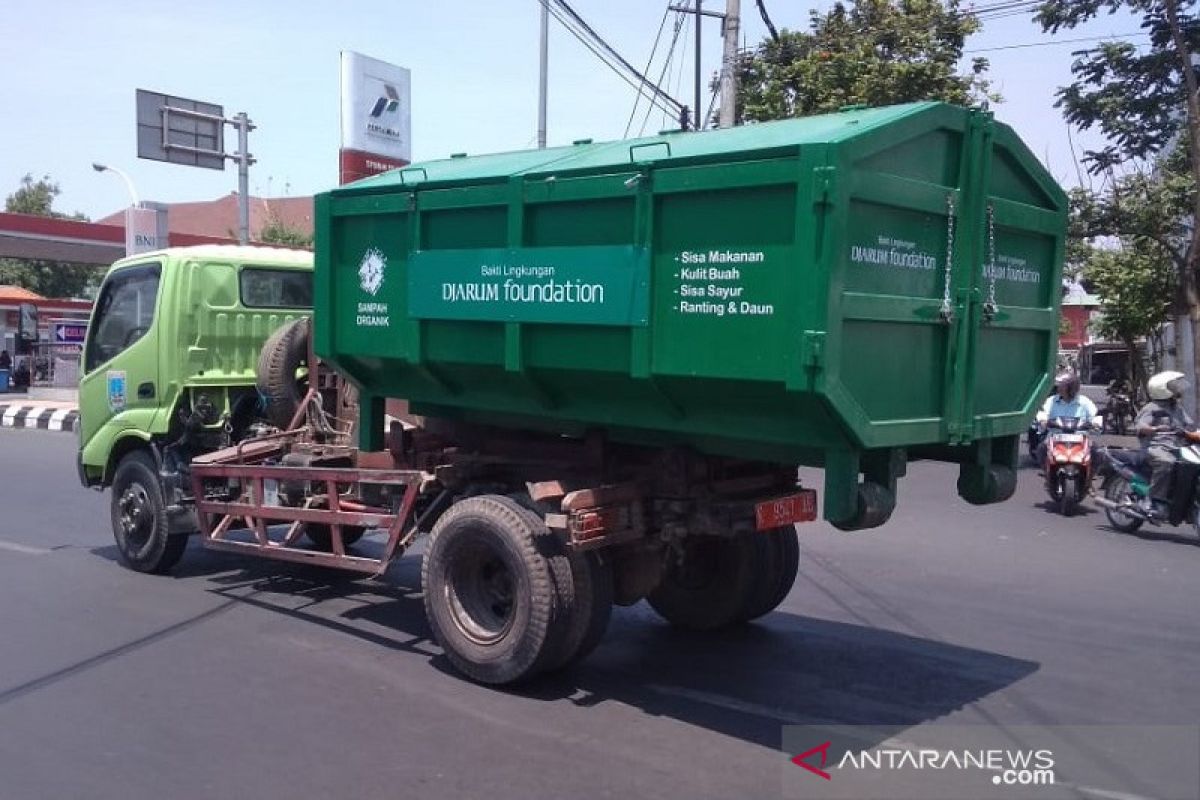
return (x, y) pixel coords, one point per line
(376, 116)
(179, 130)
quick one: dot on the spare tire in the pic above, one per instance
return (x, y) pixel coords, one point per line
(279, 363)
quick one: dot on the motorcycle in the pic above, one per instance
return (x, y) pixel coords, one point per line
(1068, 465)
(1126, 489)
(1118, 412)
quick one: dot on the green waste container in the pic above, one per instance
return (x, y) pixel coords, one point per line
(849, 291)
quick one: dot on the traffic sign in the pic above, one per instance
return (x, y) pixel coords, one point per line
(69, 332)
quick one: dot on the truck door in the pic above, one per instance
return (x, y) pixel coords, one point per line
(120, 357)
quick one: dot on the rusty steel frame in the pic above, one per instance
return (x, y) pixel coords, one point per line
(218, 517)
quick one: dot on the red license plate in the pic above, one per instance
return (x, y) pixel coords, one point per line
(799, 507)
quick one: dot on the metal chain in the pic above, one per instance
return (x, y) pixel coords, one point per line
(947, 310)
(990, 307)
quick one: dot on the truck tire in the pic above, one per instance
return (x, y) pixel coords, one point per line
(282, 356)
(498, 591)
(710, 587)
(778, 553)
(592, 581)
(139, 517)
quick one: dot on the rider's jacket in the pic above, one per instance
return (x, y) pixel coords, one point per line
(1082, 408)
(1163, 412)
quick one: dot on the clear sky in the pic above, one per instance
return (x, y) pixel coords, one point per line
(70, 69)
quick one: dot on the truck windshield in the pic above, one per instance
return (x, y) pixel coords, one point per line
(124, 312)
(275, 288)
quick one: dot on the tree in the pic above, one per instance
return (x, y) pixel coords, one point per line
(48, 278)
(1136, 283)
(278, 232)
(875, 52)
(1146, 101)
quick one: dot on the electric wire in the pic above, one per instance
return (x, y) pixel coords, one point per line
(584, 33)
(663, 75)
(649, 61)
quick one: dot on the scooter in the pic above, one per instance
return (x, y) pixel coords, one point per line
(1126, 488)
(1068, 466)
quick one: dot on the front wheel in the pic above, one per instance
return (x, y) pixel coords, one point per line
(1068, 496)
(1117, 490)
(139, 517)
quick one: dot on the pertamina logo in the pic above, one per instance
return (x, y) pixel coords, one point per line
(370, 271)
(387, 103)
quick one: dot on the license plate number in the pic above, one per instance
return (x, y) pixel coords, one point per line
(799, 507)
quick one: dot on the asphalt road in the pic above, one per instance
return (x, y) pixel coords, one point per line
(238, 678)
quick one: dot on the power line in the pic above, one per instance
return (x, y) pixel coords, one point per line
(680, 18)
(592, 41)
(1055, 42)
(649, 61)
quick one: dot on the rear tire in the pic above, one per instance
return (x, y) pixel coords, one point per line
(710, 587)
(493, 577)
(1117, 490)
(139, 517)
(593, 588)
(779, 554)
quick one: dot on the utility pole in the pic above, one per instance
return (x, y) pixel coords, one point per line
(544, 60)
(732, 26)
(697, 112)
(243, 124)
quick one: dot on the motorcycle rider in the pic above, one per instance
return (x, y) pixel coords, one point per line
(1164, 425)
(1065, 402)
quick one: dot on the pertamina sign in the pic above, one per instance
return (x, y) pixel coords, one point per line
(376, 117)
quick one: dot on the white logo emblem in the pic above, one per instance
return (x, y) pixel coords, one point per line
(370, 271)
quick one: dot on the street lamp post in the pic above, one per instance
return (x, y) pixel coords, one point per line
(124, 177)
(135, 216)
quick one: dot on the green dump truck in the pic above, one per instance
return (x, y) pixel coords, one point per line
(613, 358)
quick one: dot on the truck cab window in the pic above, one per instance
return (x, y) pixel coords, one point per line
(276, 288)
(124, 312)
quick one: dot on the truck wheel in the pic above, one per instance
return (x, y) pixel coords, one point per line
(497, 589)
(322, 535)
(139, 517)
(279, 361)
(592, 581)
(874, 507)
(709, 588)
(779, 560)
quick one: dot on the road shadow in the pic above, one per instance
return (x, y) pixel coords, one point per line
(1159, 535)
(745, 682)
(1081, 510)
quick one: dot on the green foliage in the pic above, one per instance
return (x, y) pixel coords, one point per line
(48, 278)
(1137, 284)
(1136, 96)
(873, 52)
(278, 232)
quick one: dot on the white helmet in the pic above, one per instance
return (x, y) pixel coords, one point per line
(1167, 385)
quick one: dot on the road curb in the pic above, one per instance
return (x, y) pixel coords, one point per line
(47, 418)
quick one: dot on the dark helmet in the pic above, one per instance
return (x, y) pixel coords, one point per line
(1066, 384)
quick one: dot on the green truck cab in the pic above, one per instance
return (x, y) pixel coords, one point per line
(169, 363)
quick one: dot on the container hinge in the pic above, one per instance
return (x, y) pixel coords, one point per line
(812, 350)
(824, 185)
